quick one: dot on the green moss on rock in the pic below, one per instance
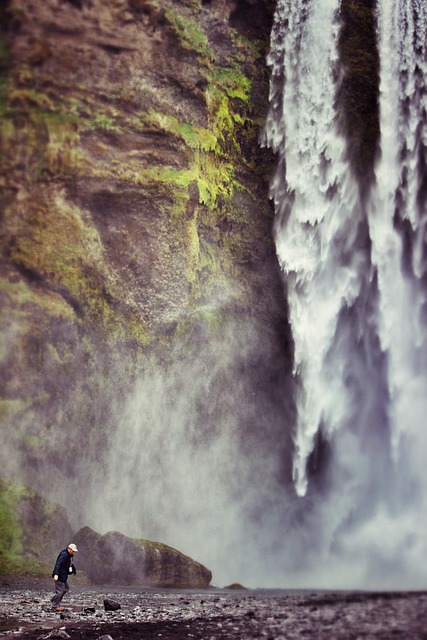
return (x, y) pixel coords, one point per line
(190, 35)
(31, 529)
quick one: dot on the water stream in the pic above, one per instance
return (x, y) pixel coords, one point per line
(354, 261)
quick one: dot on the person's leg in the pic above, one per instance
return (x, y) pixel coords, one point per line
(60, 590)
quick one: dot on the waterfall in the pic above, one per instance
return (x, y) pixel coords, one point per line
(318, 217)
(354, 258)
(398, 214)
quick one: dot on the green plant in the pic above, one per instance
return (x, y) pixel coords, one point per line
(190, 36)
(103, 122)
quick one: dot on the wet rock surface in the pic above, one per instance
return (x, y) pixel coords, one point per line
(136, 561)
(212, 614)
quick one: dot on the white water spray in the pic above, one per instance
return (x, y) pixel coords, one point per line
(318, 213)
(356, 281)
(398, 214)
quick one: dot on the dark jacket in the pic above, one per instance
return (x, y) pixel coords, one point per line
(63, 566)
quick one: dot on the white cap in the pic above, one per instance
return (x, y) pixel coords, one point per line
(73, 547)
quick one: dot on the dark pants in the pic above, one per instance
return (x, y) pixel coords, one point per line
(61, 589)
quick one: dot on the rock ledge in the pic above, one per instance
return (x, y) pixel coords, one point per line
(113, 558)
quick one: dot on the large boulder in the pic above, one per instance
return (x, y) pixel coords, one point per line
(113, 558)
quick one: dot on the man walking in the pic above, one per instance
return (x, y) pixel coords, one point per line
(63, 568)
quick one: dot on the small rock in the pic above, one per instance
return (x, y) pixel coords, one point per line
(111, 605)
(57, 633)
(236, 586)
(65, 616)
(105, 638)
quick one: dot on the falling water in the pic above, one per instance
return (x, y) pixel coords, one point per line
(318, 216)
(398, 214)
(354, 258)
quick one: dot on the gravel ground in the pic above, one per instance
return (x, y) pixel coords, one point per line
(25, 612)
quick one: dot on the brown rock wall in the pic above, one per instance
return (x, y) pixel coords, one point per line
(134, 209)
(116, 559)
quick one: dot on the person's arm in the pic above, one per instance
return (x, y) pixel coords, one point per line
(58, 563)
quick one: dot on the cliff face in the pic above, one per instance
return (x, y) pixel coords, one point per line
(135, 211)
(130, 134)
(116, 559)
(31, 533)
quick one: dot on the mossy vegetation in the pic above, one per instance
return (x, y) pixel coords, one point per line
(22, 541)
(104, 123)
(10, 531)
(216, 148)
(190, 35)
(194, 137)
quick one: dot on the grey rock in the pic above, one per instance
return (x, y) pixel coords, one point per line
(57, 633)
(111, 605)
(113, 558)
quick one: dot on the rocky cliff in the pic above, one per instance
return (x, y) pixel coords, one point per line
(136, 224)
(116, 559)
(32, 530)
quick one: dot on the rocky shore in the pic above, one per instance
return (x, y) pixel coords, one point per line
(212, 614)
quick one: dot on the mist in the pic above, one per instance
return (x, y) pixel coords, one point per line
(201, 459)
(201, 451)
